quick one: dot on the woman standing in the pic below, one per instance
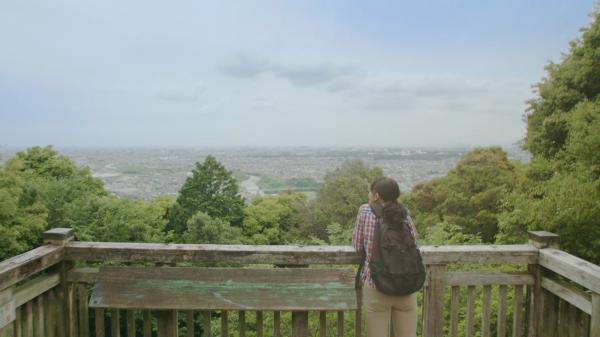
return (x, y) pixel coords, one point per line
(378, 306)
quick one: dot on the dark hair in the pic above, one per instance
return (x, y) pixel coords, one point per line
(389, 191)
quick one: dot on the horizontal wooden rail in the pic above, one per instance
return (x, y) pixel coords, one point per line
(35, 288)
(289, 255)
(27, 264)
(487, 278)
(574, 296)
(571, 267)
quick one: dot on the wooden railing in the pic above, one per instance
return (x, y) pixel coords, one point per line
(547, 293)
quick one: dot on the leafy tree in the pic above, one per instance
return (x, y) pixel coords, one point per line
(272, 220)
(573, 81)
(201, 228)
(343, 191)
(211, 189)
(469, 198)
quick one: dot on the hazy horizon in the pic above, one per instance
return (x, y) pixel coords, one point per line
(276, 74)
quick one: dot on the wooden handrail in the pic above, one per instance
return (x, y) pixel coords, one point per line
(289, 255)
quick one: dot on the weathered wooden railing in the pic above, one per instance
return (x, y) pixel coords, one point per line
(549, 293)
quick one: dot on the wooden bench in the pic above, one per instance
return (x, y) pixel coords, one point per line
(167, 289)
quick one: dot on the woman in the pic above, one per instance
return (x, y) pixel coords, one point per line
(380, 307)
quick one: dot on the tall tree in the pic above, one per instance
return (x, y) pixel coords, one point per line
(337, 202)
(211, 189)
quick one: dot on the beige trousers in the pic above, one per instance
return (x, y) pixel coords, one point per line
(380, 307)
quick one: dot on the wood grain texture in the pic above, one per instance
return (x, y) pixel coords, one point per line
(225, 289)
(287, 255)
(501, 329)
(22, 266)
(487, 278)
(83, 314)
(34, 288)
(595, 318)
(434, 325)
(486, 311)
(99, 322)
(300, 324)
(454, 310)
(568, 293)
(470, 324)
(571, 267)
(147, 329)
(518, 311)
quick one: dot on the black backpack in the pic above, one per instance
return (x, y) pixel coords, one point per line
(396, 265)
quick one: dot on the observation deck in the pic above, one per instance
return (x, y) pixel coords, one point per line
(83, 289)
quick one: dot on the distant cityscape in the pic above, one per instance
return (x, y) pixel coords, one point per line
(145, 173)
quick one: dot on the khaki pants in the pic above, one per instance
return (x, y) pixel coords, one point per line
(380, 307)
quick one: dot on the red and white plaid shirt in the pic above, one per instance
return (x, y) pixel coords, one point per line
(362, 237)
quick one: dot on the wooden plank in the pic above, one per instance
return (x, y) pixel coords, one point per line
(486, 311)
(51, 315)
(300, 324)
(84, 317)
(322, 324)
(8, 331)
(20, 267)
(38, 317)
(206, 325)
(487, 278)
(470, 328)
(35, 287)
(571, 267)
(288, 254)
(535, 303)
(434, 325)
(573, 322)
(259, 324)
(595, 317)
(518, 311)
(19, 322)
(147, 329)
(71, 311)
(224, 323)
(99, 322)
(173, 253)
(454, 310)
(189, 324)
(564, 291)
(115, 319)
(585, 329)
(225, 289)
(166, 323)
(563, 322)
(277, 324)
(27, 320)
(242, 323)
(340, 324)
(82, 275)
(130, 323)
(501, 311)
(550, 314)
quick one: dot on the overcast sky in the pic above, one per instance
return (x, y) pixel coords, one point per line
(275, 73)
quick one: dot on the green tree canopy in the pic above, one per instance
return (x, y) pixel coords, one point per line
(211, 189)
(469, 197)
(338, 200)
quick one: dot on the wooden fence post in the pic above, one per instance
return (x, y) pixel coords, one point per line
(540, 240)
(60, 237)
(595, 321)
(434, 301)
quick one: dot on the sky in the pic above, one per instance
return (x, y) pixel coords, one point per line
(276, 73)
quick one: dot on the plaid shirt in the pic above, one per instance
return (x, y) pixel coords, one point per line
(362, 238)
